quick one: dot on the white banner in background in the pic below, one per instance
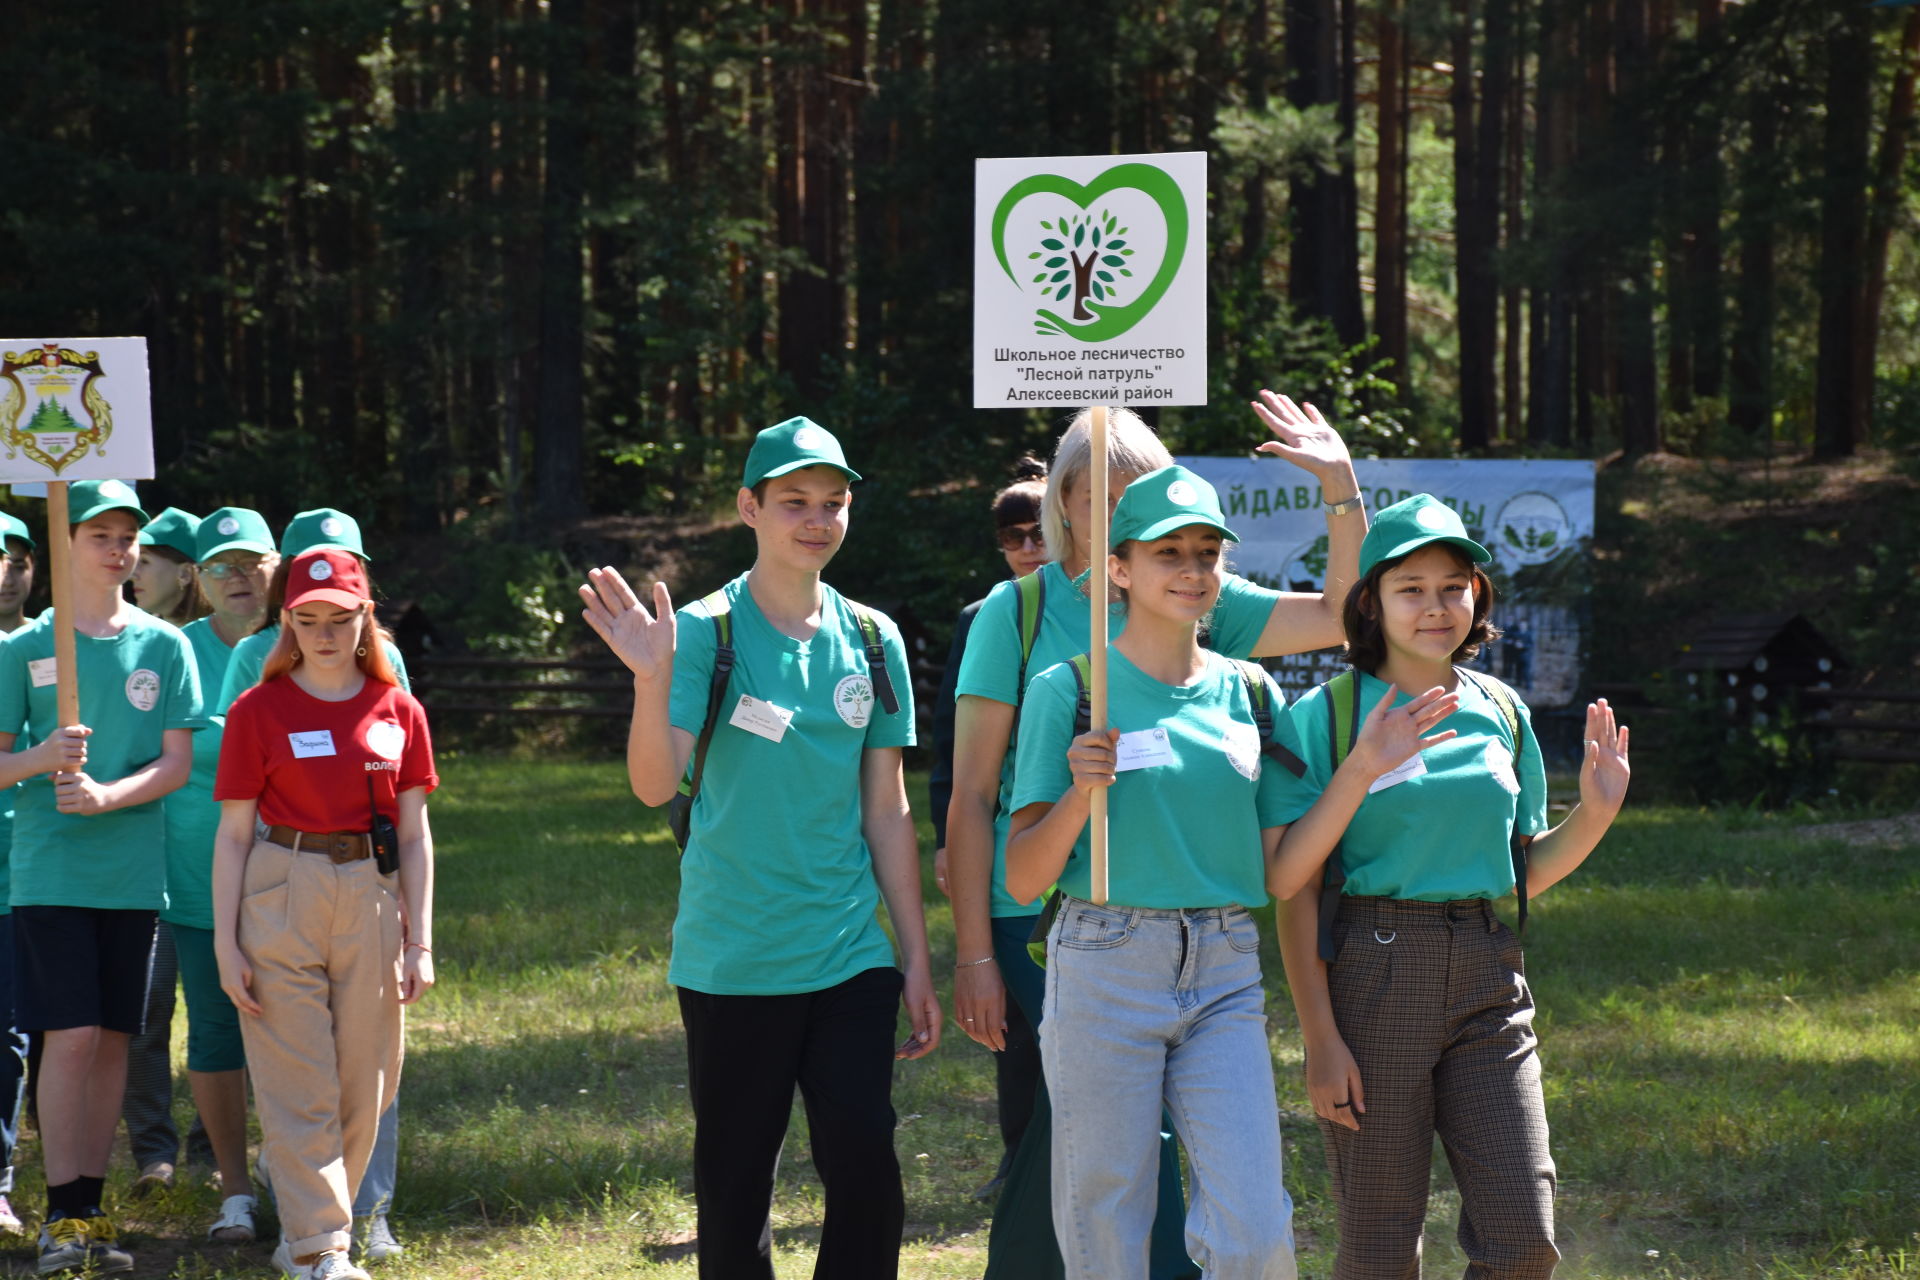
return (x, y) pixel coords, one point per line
(1529, 514)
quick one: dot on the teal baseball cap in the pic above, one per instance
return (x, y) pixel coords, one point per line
(89, 498)
(1161, 501)
(791, 445)
(172, 528)
(233, 529)
(15, 527)
(1405, 527)
(321, 528)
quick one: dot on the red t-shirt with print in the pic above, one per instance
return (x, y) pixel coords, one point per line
(307, 761)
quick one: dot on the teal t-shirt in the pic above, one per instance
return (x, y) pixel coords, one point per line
(192, 813)
(777, 892)
(133, 688)
(1181, 834)
(1444, 833)
(250, 655)
(991, 666)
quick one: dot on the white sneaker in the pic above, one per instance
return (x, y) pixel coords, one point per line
(235, 1223)
(334, 1265)
(283, 1259)
(373, 1240)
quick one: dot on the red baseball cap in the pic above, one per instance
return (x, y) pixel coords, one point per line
(330, 576)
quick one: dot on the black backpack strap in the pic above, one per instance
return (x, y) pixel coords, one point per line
(876, 657)
(716, 607)
(1260, 700)
(1498, 694)
(1082, 665)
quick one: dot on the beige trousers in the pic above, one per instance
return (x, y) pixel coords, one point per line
(324, 941)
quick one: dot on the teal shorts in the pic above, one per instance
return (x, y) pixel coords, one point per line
(213, 1024)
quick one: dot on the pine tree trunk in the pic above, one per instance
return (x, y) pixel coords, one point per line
(1390, 213)
(1889, 164)
(1750, 380)
(1839, 396)
(559, 442)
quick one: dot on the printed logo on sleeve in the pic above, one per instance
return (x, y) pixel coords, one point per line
(314, 742)
(1500, 765)
(853, 699)
(386, 739)
(1241, 743)
(143, 689)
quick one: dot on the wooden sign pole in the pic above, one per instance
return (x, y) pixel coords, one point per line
(60, 556)
(1097, 590)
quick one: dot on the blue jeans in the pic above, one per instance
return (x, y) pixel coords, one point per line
(383, 1166)
(13, 1060)
(1146, 1007)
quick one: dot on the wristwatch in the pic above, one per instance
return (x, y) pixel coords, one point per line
(1348, 507)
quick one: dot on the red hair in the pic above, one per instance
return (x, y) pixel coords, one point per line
(371, 655)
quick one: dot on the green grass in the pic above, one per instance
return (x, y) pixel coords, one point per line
(1730, 1022)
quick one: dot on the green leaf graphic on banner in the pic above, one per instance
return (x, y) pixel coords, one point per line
(1110, 320)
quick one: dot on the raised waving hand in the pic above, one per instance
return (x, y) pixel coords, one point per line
(1302, 437)
(641, 639)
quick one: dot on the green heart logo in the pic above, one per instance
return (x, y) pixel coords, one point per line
(1087, 252)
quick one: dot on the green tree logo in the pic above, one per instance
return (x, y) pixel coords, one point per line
(52, 418)
(1081, 254)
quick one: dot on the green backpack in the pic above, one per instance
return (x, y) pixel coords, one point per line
(1343, 730)
(1259, 698)
(680, 808)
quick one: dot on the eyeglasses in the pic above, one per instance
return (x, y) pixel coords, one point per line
(1015, 536)
(224, 569)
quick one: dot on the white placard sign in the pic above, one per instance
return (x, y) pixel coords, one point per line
(1089, 281)
(1534, 516)
(74, 409)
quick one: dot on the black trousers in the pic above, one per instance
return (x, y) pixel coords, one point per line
(745, 1057)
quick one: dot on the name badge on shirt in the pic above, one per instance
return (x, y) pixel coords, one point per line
(41, 671)
(1394, 777)
(1142, 749)
(762, 719)
(318, 742)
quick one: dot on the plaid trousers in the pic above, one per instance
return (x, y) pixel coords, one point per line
(1433, 1003)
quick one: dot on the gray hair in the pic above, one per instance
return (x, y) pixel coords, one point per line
(1132, 449)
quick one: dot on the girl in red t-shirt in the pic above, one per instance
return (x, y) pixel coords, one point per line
(326, 739)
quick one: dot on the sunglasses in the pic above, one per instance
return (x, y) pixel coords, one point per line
(1015, 536)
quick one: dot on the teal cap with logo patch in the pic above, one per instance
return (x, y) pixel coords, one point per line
(1161, 501)
(233, 529)
(15, 527)
(89, 498)
(173, 528)
(1405, 527)
(321, 528)
(791, 445)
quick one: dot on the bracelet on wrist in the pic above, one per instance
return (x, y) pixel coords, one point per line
(968, 964)
(1346, 506)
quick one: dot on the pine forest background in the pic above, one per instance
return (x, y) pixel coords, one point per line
(494, 274)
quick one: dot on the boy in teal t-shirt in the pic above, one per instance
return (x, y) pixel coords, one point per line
(88, 868)
(800, 827)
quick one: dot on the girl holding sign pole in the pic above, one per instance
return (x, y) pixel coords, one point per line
(1026, 627)
(1155, 998)
(1413, 999)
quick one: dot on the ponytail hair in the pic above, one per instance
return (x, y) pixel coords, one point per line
(370, 655)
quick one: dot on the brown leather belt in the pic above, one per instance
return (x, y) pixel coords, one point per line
(339, 846)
